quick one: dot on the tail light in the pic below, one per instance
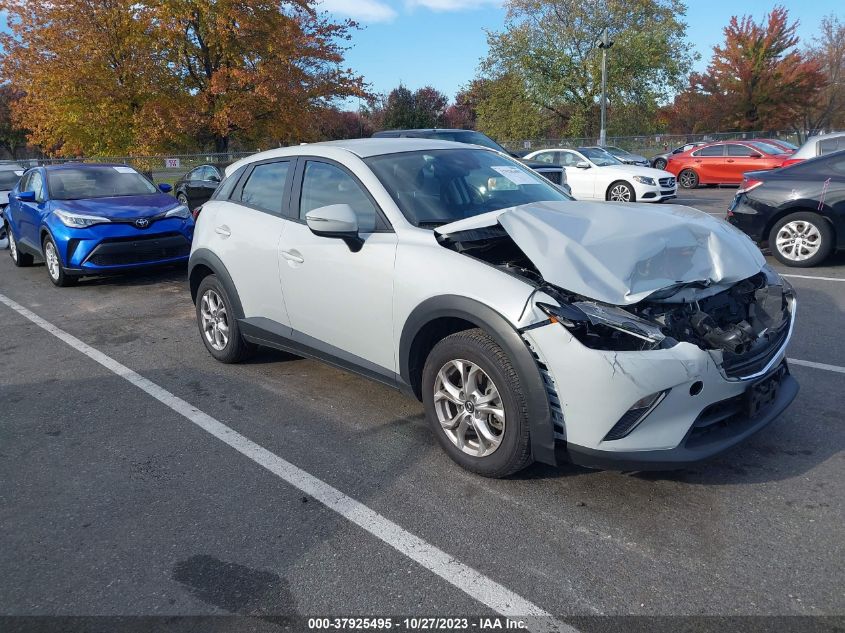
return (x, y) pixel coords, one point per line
(196, 213)
(748, 184)
(791, 161)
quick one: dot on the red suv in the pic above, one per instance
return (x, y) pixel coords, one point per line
(723, 163)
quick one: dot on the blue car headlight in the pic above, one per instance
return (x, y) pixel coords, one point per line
(79, 220)
(181, 211)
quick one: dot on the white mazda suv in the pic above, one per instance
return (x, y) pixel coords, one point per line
(532, 327)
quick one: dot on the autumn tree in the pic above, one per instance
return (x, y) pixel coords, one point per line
(421, 108)
(12, 138)
(698, 109)
(553, 46)
(767, 81)
(87, 69)
(827, 52)
(464, 111)
(506, 112)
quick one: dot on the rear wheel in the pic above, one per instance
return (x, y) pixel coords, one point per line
(688, 179)
(660, 163)
(801, 239)
(218, 326)
(475, 405)
(55, 270)
(621, 191)
(20, 259)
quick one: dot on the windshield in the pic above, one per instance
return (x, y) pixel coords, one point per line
(766, 148)
(599, 156)
(97, 182)
(616, 151)
(9, 178)
(440, 186)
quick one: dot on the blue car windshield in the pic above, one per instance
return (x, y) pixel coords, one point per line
(436, 187)
(103, 181)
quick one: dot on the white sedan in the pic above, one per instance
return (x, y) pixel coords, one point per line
(594, 174)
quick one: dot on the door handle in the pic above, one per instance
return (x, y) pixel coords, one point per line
(293, 256)
(730, 160)
(223, 230)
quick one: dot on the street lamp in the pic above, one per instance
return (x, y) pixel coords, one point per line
(604, 44)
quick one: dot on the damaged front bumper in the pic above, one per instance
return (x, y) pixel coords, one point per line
(699, 409)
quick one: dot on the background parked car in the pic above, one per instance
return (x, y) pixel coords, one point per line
(197, 185)
(625, 156)
(659, 161)
(786, 146)
(723, 162)
(594, 174)
(552, 172)
(90, 219)
(817, 146)
(799, 211)
(10, 174)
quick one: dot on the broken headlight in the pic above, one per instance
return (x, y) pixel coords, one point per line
(606, 327)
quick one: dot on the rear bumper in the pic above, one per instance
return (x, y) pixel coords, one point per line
(747, 218)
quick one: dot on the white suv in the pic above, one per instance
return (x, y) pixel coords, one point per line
(531, 326)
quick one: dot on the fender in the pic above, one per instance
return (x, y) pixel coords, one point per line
(507, 337)
(205, 257)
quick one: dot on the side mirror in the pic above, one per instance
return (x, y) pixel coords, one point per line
(165, 188)
(582, 164)
(336, 220)
(26, 196)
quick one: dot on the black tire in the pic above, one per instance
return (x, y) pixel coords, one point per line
(825, 239)
(514, 451)
(660, 163)
(183, 199)
(21, 260)
(56, 273)
(620, 185)
(236, 347)
(688, 179)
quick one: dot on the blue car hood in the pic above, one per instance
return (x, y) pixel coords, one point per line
(120, 207)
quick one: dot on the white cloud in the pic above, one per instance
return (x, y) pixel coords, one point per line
(361, 10)
(452, 5)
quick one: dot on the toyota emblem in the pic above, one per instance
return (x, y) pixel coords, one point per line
(142, 223)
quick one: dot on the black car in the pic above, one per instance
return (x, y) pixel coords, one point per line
(554, 173)
(799, 211)
(196, 187)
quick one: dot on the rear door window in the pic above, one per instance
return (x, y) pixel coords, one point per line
(713, 150)
(829, 145)
(740, 150)
(265, 186)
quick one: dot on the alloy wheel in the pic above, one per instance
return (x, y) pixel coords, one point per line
(51, 257)
(620, 193)
(469, 408)
(798, 240)
(687, 180)
(660, 164)
(215, 320)
(13, 247)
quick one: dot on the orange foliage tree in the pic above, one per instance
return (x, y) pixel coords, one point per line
(137, 76)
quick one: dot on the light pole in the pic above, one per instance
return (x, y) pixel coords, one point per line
(604, 44)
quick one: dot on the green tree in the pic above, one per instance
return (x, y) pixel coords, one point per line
(553, 46)
(419, 109)
(505, 112)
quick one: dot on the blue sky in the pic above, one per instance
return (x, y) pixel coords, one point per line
(439, 42)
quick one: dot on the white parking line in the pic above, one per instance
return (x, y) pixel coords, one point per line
(824, 366)
(812, 277)
(479, 587)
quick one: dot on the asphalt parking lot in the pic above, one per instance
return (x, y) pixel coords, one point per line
(114, 503)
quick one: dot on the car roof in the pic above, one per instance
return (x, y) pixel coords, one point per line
(427, 130)
(360, 147)
(78, 165)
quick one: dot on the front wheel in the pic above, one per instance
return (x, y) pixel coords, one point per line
(621, 192)
(475, 405)
(218, 326)
(688, 179)
(801, 239)
(182, 198)
(660, 163)
(55, 270)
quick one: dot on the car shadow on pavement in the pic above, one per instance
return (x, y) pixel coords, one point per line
(146, 277)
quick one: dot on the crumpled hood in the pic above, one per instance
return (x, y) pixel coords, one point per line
(120, 207)
(621, 253)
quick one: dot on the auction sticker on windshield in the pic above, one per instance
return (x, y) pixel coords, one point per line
(515, 175)
(125, 170)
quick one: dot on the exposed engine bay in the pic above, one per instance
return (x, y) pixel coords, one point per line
(744, 321)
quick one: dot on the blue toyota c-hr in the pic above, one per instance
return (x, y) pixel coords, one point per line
(92, 219)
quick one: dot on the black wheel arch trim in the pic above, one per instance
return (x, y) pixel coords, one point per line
(509, 339)
(205, 257)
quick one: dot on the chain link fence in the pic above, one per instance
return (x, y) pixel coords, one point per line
(647, 145)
